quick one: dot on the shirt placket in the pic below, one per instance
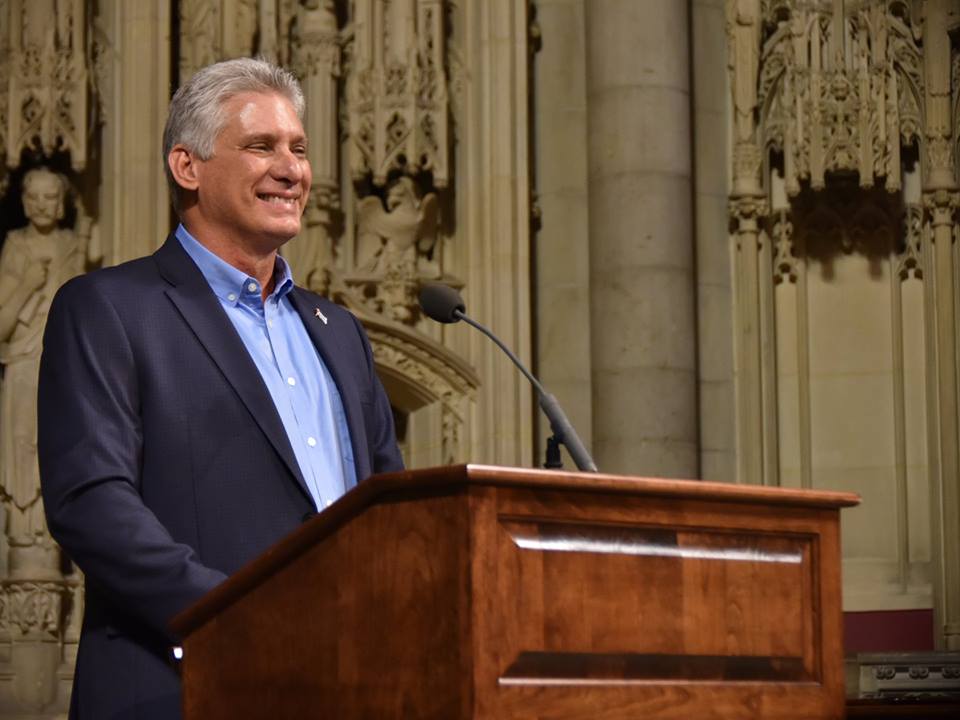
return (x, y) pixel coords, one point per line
(308, 435)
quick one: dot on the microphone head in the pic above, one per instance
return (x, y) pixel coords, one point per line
(440, 302)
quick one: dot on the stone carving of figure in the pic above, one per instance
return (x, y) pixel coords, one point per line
(398, 241)
(34, 262)
(395, 247)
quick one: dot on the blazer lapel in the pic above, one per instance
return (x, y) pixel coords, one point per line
(202, 311)
(324, 338)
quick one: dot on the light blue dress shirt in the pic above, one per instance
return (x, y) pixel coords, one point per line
(303, 391)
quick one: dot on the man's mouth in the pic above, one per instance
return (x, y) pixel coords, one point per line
(286, 201)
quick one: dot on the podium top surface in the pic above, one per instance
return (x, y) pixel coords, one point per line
(453, 477)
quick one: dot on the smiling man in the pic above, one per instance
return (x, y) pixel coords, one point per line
(195, 406)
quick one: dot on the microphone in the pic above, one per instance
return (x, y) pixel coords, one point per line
(444, 304)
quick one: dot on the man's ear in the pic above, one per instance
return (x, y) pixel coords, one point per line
(183, 167)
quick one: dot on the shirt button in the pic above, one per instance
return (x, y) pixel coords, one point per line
(291, 382)
(231, 297)
(269, 323)
(252, 287)
(311, 441)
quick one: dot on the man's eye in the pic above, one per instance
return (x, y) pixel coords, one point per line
(300, 150)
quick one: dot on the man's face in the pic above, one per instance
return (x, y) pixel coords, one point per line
(43, 201)
(255, 186)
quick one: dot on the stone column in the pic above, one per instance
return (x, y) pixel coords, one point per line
(941, 199)
(715, 337)
(316, 59)
(642, 317)
(945, 507)
(748, 207)
(562, 256)
(491, 250)
(135, 82)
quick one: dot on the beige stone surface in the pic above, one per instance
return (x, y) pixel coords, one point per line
(711, 171)
(645, 41)
(852, 419)
(716, 437)
(717, 465)
(711, 128)
(639, 128)
(713, 240)
(715, 328)
(671, 456)
(711, 90)
(641, 219)
(561, 149)
(866, 530)
(642, 311)
(654, 414)
(648, 311)
(561, 245)
(136, 213)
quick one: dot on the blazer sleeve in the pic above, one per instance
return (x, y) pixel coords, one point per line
(384, 453)
(90, 441)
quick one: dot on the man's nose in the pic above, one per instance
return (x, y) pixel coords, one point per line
(288, 166)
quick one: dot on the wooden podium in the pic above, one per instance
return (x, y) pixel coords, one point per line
(498, 593)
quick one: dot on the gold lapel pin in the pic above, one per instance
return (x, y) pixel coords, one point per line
(320, 315)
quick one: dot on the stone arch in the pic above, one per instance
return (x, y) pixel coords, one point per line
(430, 388)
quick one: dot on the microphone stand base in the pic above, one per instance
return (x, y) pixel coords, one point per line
(553, 460)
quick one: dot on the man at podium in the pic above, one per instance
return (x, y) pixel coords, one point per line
(195, 406)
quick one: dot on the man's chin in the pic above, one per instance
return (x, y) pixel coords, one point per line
(280, 234)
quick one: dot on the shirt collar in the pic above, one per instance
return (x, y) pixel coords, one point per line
(227, 282)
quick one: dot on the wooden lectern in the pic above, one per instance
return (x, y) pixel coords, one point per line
(499, 593)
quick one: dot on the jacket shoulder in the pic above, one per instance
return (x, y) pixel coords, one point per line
(128, 277)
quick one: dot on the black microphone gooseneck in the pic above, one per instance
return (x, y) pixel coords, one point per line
(444, 304)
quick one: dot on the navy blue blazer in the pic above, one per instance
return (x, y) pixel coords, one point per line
(164, 464)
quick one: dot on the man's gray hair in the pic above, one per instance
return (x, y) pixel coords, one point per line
(196, 113)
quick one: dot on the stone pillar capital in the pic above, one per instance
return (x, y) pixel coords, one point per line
(941, 204)
(747, 211)
(939, 151)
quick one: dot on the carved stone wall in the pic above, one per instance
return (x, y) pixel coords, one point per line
(49, 109)
(46, 92)
(838, 179)
(843, 212)
(419, 174)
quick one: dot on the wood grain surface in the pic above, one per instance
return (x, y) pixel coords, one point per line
(479, 592)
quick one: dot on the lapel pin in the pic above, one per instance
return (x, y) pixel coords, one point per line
(320, 315)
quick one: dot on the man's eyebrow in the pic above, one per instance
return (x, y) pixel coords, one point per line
(268, 137)
(258, 137)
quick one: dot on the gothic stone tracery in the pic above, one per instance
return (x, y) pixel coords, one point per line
(60, 73)
(835, 95)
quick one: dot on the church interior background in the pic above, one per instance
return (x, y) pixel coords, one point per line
(723, 232)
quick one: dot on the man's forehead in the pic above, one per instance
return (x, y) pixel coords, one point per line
(258, 112)
(262, 100)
